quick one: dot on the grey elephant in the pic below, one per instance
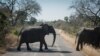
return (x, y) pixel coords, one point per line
(88, 36)
(32, 35)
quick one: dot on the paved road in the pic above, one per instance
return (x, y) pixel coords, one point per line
(61, 48)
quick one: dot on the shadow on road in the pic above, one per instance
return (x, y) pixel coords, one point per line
(37, 50)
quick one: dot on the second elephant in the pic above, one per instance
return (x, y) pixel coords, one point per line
(89, 37)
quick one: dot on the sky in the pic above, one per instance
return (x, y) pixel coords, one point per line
(54, 9)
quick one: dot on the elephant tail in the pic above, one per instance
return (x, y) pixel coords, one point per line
(78, 34)
(76, 38)
(20, 33)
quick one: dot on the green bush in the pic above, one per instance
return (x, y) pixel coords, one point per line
(4, 28)
(2, 42)
(16, 33)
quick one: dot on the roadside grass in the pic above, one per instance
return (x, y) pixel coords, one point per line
(87, 50)
(11, 41)
(2, 50)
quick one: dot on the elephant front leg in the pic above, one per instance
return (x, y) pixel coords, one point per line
(41, 45)
(45, 44)
(28, 47)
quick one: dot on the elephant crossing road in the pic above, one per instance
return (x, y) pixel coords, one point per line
(31, 35)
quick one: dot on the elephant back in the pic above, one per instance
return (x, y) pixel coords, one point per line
(97, 29)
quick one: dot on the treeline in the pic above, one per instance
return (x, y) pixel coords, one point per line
(87, 14)
(73, 24)
(14, 13)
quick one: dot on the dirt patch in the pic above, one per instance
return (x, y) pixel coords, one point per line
(88, 50)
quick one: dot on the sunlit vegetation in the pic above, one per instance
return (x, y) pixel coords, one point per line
(14, 14)
(87, 14)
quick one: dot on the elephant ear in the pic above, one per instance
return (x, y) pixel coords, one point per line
(51, 30)
(45, 28)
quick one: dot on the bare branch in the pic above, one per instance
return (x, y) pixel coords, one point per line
(98, 11)
(91, 11)
(86, 15)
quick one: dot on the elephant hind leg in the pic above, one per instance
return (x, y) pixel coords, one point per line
(77, 47)
(28, 47)
(19, 46)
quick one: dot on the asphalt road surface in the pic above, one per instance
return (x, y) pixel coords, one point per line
(60, 48)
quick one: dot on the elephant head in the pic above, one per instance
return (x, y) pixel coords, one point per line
(49, 29)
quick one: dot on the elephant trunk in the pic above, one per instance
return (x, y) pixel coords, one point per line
(54, 34)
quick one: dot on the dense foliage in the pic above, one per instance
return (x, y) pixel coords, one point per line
(14, 13)
(4, 25)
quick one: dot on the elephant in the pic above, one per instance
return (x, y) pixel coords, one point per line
(88, 36)
(31, 35)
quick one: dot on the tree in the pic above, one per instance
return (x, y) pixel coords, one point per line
(4, 23)
(13, 10)
(32, 20)
(90, 9)
(66, 19)
(31, 7)
(21, 17)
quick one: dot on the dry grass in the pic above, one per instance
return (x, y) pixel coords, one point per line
(11, 40)
(2, 50)
(88, 50)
